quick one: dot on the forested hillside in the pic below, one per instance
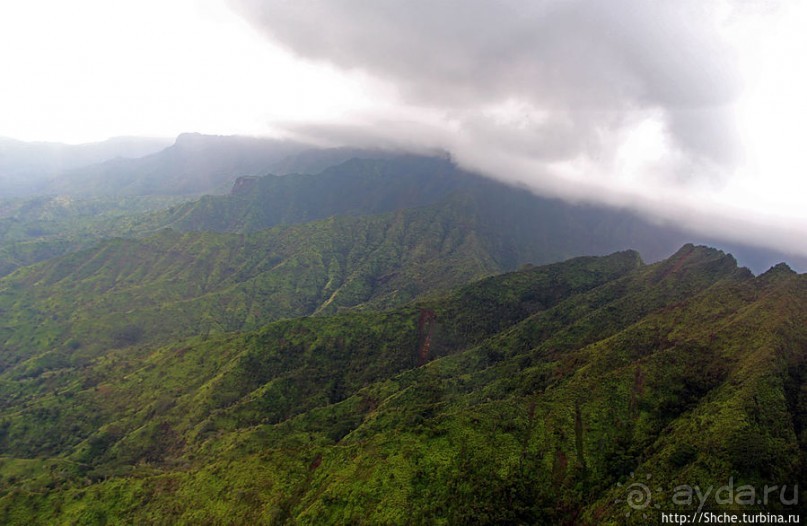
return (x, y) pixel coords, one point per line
(389, 341)
(403, 263)
(528, 397)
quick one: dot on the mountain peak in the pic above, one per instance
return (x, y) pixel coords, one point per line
(778, 271)
(192, 139)
(698, 258)
(690, 254)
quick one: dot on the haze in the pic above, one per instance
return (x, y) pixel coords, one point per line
(689, 111)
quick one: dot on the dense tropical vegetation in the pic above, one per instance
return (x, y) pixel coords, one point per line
(390, 341)
(526, 397)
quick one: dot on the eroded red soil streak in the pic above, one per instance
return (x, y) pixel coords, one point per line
(425, 326)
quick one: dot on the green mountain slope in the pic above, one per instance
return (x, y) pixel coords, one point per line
(528, 397)
(515, 221)
(519, 226)
(127, 291)
(529, 228)
(550, 230)
(355, 187)
(36, 229)
(173, 284)
(41, 228)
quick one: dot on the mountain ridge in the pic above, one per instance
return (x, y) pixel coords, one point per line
(365, 186)
(543, 388)
(48, 227)
(194, 164)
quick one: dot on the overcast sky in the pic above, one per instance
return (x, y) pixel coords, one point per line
(687, 110)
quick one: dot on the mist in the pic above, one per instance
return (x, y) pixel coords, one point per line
(641, 105)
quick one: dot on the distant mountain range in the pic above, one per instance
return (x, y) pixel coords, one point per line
(526, 227)
(195, 164)
(515, 226)
(191, 165)
(27, 168)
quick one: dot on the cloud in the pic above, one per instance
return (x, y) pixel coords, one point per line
(628, 102)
